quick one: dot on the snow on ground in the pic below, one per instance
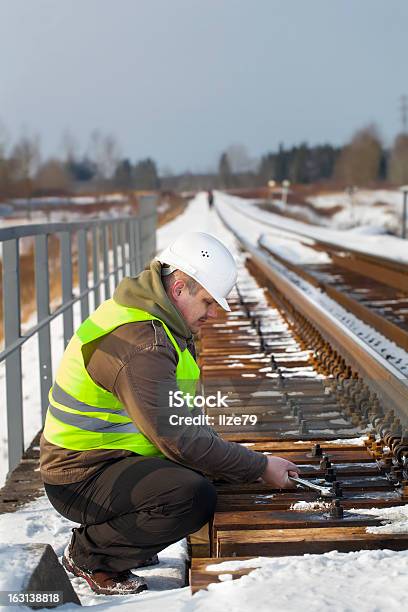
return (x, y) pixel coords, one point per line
(364, 581)
(366, 197)
(395, 519)
(293, 250)
(38, 522)
(70, 200)
(355, 441)
(304, 506)
(378, 245)
(379, 209)
(195, 218)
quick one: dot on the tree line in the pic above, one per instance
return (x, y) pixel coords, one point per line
(24, 173)
(363, 161)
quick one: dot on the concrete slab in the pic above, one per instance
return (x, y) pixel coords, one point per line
(35, 568)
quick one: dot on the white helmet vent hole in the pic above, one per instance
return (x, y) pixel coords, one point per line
(205, 253)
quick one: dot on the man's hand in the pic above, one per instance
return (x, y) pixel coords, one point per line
(277, 472)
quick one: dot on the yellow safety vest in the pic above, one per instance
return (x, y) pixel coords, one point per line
(84, 416)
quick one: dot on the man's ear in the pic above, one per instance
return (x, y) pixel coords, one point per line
(177, 288)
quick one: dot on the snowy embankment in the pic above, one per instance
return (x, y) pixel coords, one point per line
(364, 581)
(332, 581)
(367, 208)
(390, 247)
(369, 211)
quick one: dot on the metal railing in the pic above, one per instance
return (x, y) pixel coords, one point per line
(118, 247)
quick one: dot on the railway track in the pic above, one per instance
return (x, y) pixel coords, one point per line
(373, 290)
(301, 387)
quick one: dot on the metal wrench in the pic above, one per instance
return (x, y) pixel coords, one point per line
(324, 491)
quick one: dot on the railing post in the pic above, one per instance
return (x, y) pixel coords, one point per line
(66, 280)
(148, 223)
(132, 247)
(105, 257)
(114, 231)
(137, 229)
(43, 312)
(12, 331)
(124, 244)
(83, 272)
(95, 266)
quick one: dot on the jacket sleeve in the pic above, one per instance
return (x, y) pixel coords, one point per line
(144, 383)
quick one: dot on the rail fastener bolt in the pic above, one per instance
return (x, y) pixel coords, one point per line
(316, 451)
(325, 462)
(330, 474)
(404, 489)
(336, 510)
(336, 488)
(397, 474)
(303, 429)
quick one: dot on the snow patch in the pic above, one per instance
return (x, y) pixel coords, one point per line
(303, 506)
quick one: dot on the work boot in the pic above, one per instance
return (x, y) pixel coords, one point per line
(154, 560)
(105, 583)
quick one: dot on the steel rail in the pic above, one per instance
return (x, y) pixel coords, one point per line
(382, 324)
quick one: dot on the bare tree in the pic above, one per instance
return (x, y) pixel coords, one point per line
(24, 163)
(224, 172)
(359, 161)
(26, 155)
(105, 152)
(4, 139)
(4, 163)
(53, 178)
(69, 146)
(398, 168)
(238, 159)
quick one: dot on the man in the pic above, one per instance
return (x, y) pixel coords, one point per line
(110, 459)
(210, 197)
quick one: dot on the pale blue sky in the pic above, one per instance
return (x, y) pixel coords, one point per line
(180, 80)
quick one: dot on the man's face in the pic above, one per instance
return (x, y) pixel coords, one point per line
(195, 309)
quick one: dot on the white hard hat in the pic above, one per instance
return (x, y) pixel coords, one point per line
(206, 259)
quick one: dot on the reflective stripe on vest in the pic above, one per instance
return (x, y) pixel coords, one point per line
(62, 397)
(91, 423)
(82, 415)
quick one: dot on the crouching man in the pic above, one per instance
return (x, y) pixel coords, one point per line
(110, 459)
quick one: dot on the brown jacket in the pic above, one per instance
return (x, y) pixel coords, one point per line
(137, 363)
